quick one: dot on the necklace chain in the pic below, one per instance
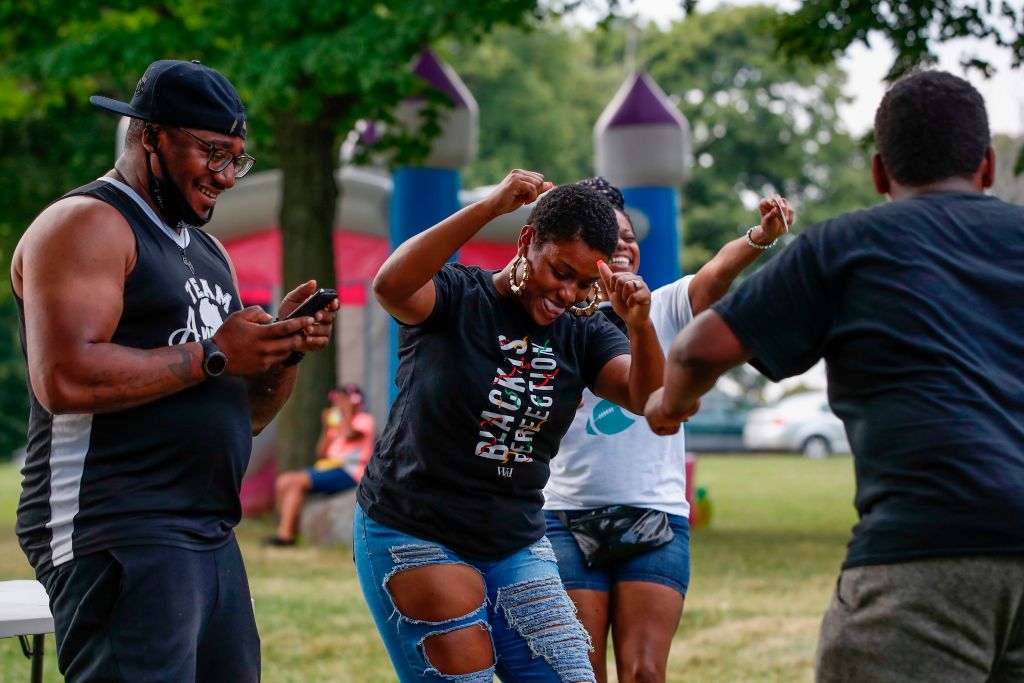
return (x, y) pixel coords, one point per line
(181, 249)
(184, 259)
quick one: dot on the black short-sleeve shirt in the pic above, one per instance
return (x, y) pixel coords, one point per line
(485, 396)
(917, 307)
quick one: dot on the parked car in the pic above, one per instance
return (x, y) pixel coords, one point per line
(802, 422)
(718, 426)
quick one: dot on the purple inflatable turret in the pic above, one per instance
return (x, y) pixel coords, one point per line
(426, 194)
(455, 147)
(642, 145)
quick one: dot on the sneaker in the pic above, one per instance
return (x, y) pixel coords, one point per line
(278, 542)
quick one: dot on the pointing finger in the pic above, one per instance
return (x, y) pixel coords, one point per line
(606, 276)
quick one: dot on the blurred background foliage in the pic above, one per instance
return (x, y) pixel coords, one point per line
(760, 122)
(763, 113)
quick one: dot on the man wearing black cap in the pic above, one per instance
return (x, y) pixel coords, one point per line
(147, 380)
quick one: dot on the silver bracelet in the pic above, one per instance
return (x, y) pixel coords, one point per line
(755, 245)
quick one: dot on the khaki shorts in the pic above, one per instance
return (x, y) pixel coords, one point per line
(955, 620)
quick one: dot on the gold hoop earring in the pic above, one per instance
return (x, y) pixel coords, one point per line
(518, 288)
(591, 308)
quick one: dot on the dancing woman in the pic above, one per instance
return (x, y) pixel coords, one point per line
(449, 531)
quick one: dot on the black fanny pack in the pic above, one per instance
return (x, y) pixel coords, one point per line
(617, 532)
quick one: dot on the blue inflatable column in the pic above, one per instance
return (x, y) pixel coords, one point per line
(422, 196)
(425, 195)
(642, 145)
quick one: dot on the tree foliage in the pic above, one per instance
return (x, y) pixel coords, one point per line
(539, 91)
(822, 29)
(307, 71)
(760, 123)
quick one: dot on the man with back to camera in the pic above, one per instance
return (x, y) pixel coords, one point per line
(917, 307)
(147, 380)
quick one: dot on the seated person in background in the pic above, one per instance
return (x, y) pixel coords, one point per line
(344, 448)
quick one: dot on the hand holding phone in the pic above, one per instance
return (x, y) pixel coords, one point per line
(318, 300)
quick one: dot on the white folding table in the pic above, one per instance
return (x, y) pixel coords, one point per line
(24, 612)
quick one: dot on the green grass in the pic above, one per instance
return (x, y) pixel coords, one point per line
(762, 575)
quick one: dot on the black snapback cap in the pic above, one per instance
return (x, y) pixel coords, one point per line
(179, 93)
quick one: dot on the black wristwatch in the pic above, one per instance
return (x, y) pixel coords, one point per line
(214, 360)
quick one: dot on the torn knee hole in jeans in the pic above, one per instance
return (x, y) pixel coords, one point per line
(426, 587)
(542, 613)
(484, 675)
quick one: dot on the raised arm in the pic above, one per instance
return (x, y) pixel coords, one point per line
(629, 380)
(69, 269)
(714, 279)
(404, 285)
(699, 355)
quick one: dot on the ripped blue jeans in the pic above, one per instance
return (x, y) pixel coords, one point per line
(534, 631)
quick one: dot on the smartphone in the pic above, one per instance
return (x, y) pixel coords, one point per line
(318, 300)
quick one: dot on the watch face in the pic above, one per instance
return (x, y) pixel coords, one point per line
(215, 363)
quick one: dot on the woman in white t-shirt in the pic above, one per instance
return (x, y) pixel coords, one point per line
(610, 457)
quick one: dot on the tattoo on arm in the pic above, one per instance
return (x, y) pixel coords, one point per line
(115, 389)
(182, 367)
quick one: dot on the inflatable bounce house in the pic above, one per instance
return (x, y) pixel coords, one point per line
(641, 145)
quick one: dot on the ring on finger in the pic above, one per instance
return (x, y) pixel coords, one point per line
(637, 285)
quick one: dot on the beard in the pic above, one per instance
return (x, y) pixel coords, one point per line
(175, 208)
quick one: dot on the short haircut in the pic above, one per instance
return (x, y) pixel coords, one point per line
(931, 125)
(570, 212)
(134, 133)
(600, 185)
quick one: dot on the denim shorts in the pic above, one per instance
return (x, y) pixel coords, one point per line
(534, 631)
(668, 565)
(334, 480)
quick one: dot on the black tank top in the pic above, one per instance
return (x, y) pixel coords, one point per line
(168, 472)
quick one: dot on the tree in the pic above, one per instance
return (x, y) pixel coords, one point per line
(42, 157)
(307, 72)
(760, 122)
(540, 91)
(820, 30)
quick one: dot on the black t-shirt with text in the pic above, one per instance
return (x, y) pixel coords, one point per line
(485, 396)
(917, 307)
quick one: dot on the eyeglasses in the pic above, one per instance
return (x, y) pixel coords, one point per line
(221, 158)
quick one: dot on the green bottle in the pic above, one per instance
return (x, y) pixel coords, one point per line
(703, 507)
